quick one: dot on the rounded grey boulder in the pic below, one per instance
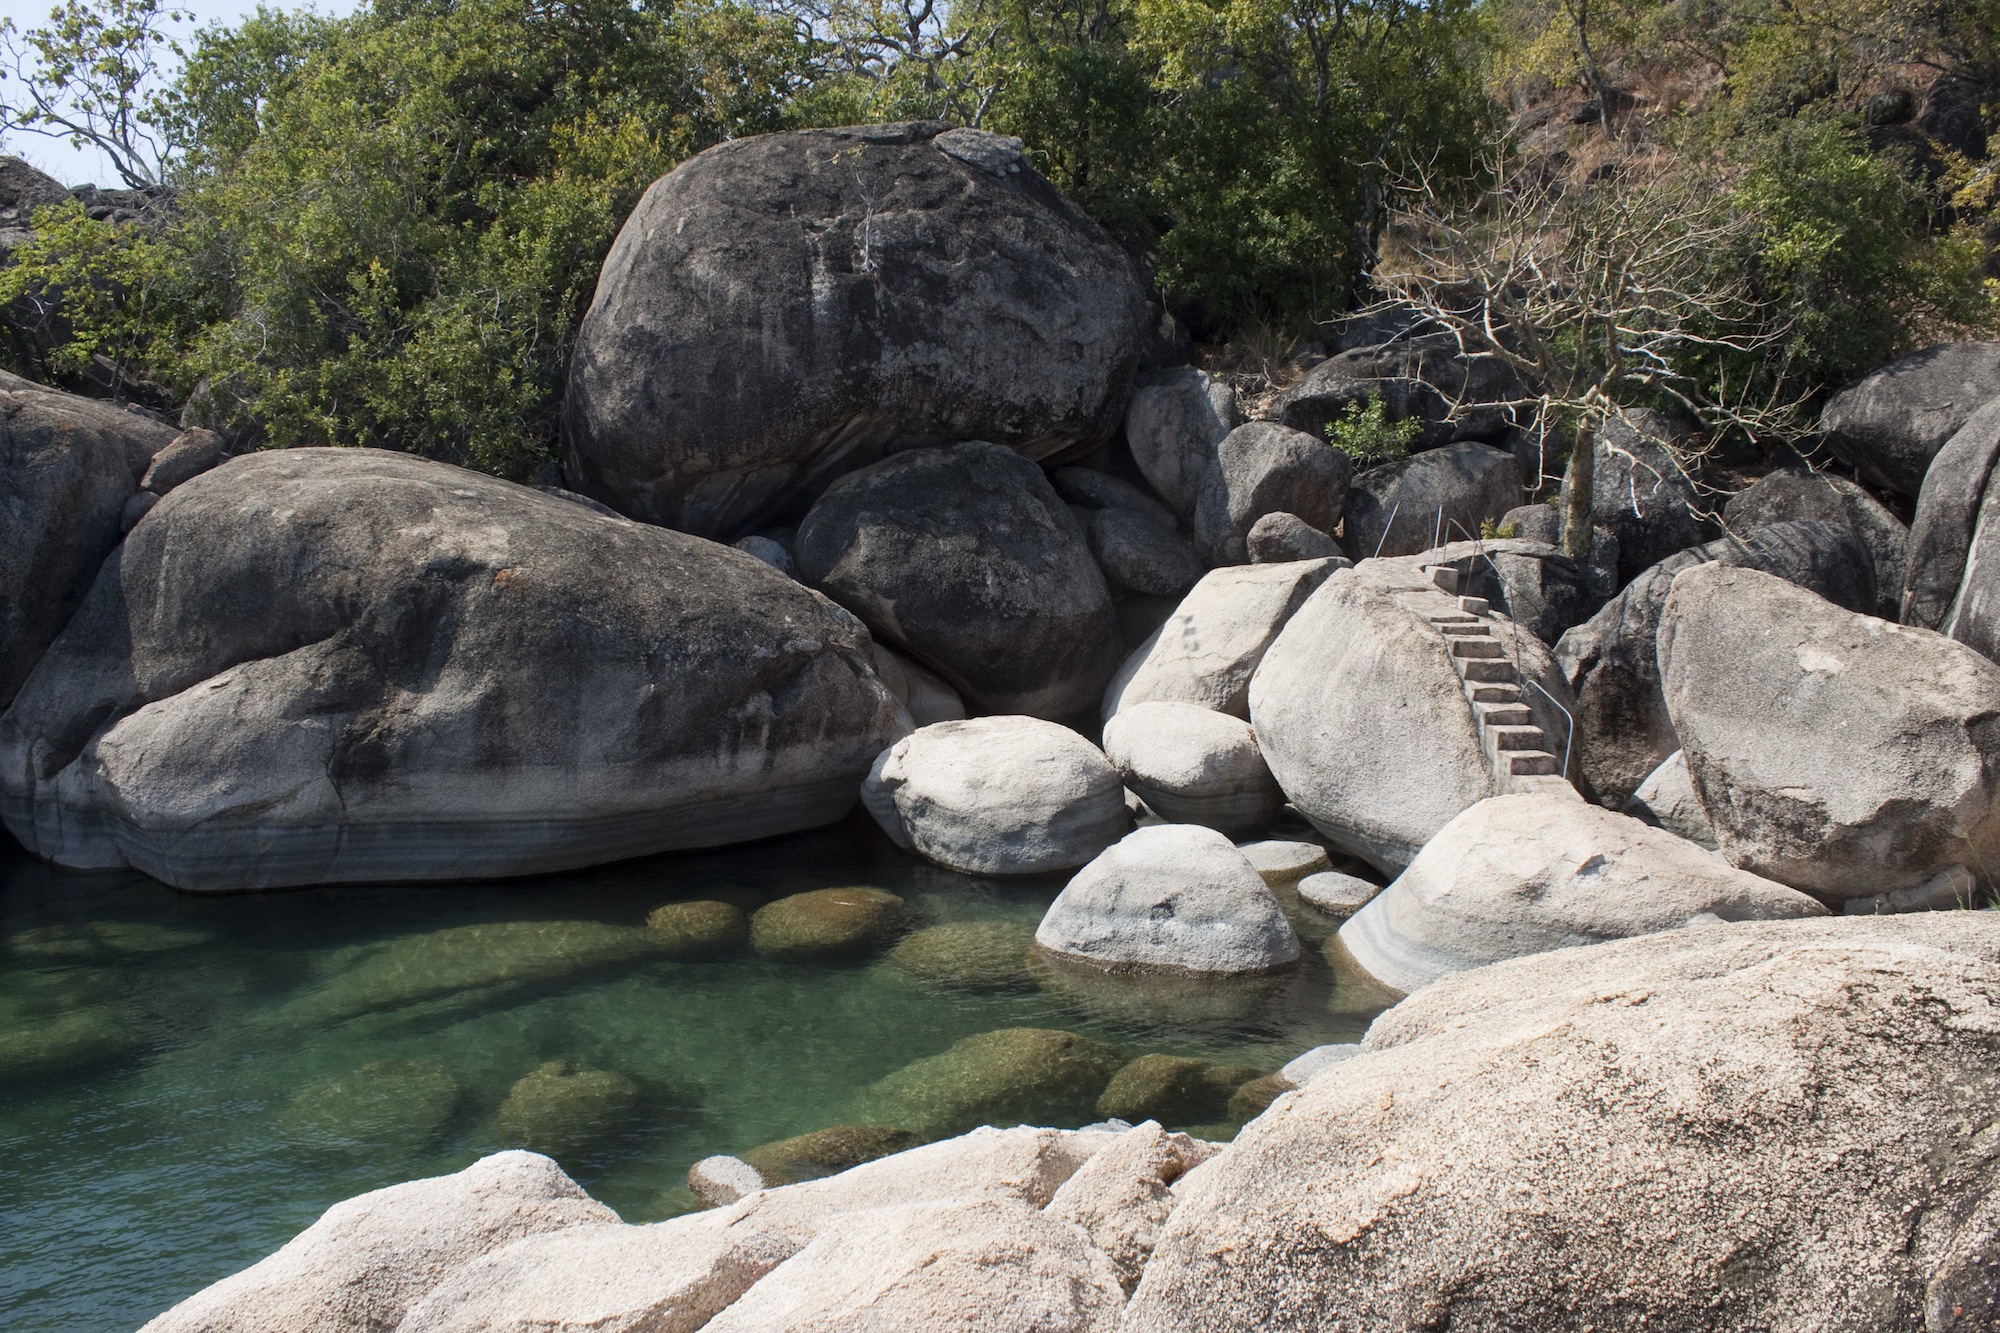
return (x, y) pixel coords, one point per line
(1264, 468)
(965, 558)
(998, 796)
(1792, 493)
(68, 467)
(1193, 766)
(1532, 872)
(1835, 752)
(1440, 495)
(1173, 896)
(1280, 536)
(1642, 492)
(1891, 423)
(1135, 552)
(1176, 420)
(780, 309)
(338, 665)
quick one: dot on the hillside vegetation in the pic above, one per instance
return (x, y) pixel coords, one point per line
(384, 229)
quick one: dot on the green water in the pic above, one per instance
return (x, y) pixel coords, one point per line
(156, 1049)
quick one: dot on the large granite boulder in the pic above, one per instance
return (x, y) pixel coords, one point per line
(1174, 425)
(1192, 765)
(68, 466)
(369, 1259)
(1383, 710)
(781, 309)
(1533, 872)
(1279, 537)
(1891, 423)
(1775, 1125)
(337, 665)
(1174, 896)
(965, 558)
(1644, 491)
(1437, 496)
(998, 796)
(1794, 493)
(1210, 646)
(1610, 662)
(1264, 468)
(1426, 379)
(1832, 751)
(1950, 583)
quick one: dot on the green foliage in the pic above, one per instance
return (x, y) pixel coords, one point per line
(1364, 433)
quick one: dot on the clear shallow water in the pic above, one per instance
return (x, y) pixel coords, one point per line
(179, 1142)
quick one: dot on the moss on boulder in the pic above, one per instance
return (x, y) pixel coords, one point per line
(470, 965)
(399, 1105)
(827, 923)
(980, 955)
(69, 1042)
(703, 928)
(1250, 1100)
(1007, 1077)
(825, 1152)
(569, 1111)
(1173, 1090)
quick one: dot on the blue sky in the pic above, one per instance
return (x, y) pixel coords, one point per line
(84, 166)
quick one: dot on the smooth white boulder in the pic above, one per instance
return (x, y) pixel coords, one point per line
(1667, 798)
(1284, 861)
(1174, 896)
(1529, 873)
(1193, 766)
(1210, 646)
(369, 1259)
(998, 796)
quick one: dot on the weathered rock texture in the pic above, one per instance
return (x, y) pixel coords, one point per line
(1611, 662)
(329, 665)
(965, 558)
(1891, 423)
(1952, 583)
(1437, 496)
(1423, 379)
(1530, 873)
(370, 1258)
(1264, 468)
(1666, 800)
(1172, 896)
(1208, 649)
(998, 796)
(68, 466)
(1835, 752)
(1193, 766)
(1777, 1125)
(1383, 710)
(1643, 493)
(1792, 493)
(1176, 421)
(780, 309)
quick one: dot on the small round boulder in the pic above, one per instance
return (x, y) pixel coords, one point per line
(998, 796)
(1194, 766)
(568, 1111)
(703, 928)
(827, 923)
(1173, 1090)
(1175, 896)
(977, 955)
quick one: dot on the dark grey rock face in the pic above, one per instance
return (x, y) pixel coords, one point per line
(1948, 512)
(68, 468)
(1438, 496)
(1623, 728)
(1279, 537)
(965, 558)
(1891, 423)
(332, 665)
(1791, 493)
(1176, 421)
(779, 309)
(1264, 468)
(1540, 589)
(1424, 379)
(1641, 494)
(1136, 552)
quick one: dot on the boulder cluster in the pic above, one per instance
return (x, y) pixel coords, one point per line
(886, 482)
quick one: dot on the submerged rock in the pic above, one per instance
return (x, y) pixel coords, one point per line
(397, 1106)
(977, 955)
(998, 796)
(1174, 896)
(1530, 873)
(1008, 1077)
(569, 1110)
(827, 923)
(702, 928)
(782, 308)
(316, 666)
(36, 1045)
(1173, 1090)
(826, 1152)
(1721, 1128)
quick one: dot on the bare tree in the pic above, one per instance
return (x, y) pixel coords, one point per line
(87, 76)
(1602, 294)
(920, 50)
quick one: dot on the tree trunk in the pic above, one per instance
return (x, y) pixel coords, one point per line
(1582, 476)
